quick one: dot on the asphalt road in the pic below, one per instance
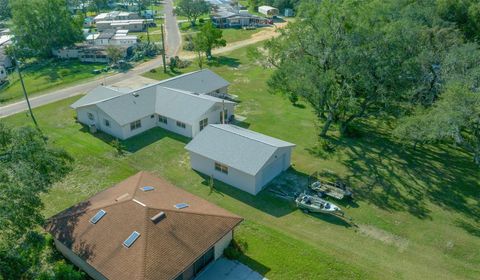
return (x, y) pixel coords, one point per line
(173, 38)
(173, 44)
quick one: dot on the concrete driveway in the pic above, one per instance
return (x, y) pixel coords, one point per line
(224, 269)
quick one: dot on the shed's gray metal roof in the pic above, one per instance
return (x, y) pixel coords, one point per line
(98, 94)
(202, 81)
(237, 147)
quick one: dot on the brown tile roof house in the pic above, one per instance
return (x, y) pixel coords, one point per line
(175, 245)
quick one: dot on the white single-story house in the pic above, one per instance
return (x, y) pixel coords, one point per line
(240, 157)
(124, 113)
(112, 38)
(143, 228)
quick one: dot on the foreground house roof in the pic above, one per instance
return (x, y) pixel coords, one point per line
(240, 148)
(163, 250)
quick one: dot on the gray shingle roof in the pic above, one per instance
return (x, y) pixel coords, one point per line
(98, 94)
(202, 81)
(130, 107)
(173, 98)
(183, 106)
(237, 147)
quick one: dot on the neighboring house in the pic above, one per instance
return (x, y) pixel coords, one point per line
(88, 22)
(268, 11)
(243, 158)
(126, 113)
(112, 38)
(116, 15)
(289, 12)
(5, 41)
(136, 25)
(143, 228)
(86, 53)
(224, 18)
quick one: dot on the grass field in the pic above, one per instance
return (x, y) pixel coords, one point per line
(415, 215)
(47, 75)
(229, 34)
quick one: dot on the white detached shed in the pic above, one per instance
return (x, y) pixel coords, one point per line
(243, 158)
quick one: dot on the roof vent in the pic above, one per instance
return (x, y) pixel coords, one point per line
(135, 94)
(131, 239)
(181, 205)
(157, 218)
(98, 216)
(147, 188)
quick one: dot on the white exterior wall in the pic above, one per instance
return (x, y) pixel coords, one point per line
(76, 260)
(279, 162)
(147, 123)
(222, 244)
(234, 177)
(99, 120)
(213, 117)
(172, 126)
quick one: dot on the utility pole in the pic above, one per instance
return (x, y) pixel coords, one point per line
(25, 91)
(163, 52)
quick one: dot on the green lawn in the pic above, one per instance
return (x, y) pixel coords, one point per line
(415, 215)
(229, 34)
(46, 76)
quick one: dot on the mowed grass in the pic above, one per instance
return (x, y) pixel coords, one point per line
(230, 35)
(47, 75)
(415, 215)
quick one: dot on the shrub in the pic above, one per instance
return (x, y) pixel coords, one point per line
(201, 20)
(236, 249)
(188, 45)
(118, 147)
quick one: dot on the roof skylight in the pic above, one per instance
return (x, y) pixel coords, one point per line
(181, 205)
(131, 239)
(98, 216)
(147, 188)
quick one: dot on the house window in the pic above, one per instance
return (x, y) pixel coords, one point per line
(203, 123)
(136, 124)
(162, 119)
(180, 124)
(221, 167)
(107, 122)
(90, 116)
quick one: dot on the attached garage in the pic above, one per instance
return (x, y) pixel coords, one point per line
(243, 158)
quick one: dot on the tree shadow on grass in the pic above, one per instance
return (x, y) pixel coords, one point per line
(468, 227)
(396, 178)
(221, 60)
